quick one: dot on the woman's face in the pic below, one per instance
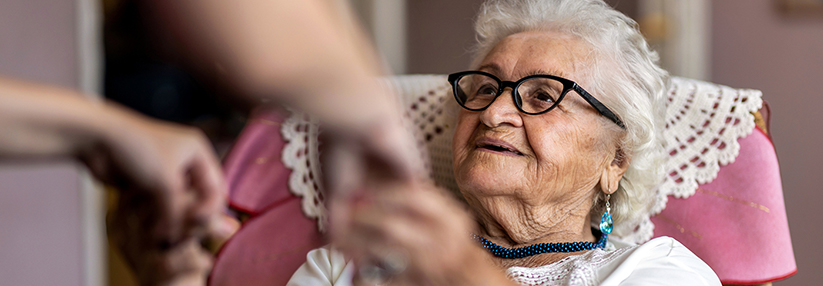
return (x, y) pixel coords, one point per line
(555, 158)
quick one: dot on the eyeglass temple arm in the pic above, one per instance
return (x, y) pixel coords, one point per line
(598, 105)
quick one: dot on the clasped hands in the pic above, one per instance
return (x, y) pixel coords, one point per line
(385, 217)
(395, 225)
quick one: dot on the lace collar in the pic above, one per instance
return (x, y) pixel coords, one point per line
(580, 269)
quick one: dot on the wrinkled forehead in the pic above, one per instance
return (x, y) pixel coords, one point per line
(537, 52)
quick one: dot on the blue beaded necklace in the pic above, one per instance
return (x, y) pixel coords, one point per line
(540, 248)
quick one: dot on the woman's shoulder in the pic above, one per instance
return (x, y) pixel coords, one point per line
(660, 260)
(661, 243)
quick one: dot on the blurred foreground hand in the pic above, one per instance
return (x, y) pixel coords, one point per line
(172, 187)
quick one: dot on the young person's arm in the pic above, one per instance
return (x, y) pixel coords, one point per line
(171, 167)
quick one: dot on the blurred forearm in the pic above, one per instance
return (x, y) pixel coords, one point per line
(37, 120)
(309, 54)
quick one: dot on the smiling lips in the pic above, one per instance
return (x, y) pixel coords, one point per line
(496, 146)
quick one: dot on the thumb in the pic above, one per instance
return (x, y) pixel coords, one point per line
(221, 228)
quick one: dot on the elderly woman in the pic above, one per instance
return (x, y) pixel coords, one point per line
(558, 132)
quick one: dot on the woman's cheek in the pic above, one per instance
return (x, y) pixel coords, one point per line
(462, 134)
(468, 177)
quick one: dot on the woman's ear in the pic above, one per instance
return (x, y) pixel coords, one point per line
(610, 179)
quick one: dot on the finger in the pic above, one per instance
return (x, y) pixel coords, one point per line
(221, 229)
(398, 199)
(343, 167)
(410, 218)
(170, 203)
(187, 257)
(343, 174)
(342, 211)
(382, 144)
(369, 252)
(373, 224)
(208, 182)
(378, 224)
(430, 204)
(154, 217)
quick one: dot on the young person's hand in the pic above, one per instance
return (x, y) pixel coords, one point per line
(173, 166)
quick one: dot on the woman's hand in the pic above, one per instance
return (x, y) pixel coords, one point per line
(417, 231)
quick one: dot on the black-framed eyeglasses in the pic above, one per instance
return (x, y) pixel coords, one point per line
(533, 95)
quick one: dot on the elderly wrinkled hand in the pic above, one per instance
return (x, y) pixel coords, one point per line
(410, 234)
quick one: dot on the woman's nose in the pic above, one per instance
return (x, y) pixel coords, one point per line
(502, 111)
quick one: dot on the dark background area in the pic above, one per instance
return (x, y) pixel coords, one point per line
(145, 71)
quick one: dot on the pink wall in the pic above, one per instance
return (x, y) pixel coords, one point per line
(755, 46)
(440, 35)
(41, 237)
(38, 41)
(42, 231)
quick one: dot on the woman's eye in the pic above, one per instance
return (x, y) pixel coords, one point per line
(543, 96)
(487, 90)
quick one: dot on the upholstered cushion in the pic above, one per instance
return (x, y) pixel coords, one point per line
(737, 222)
(255, 174)
(269, 247)
(274, 241)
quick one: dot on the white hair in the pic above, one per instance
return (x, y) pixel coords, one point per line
(623, 74)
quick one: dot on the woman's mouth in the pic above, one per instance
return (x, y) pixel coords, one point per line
(496, 146)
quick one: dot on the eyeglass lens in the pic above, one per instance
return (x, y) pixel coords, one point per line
(477, 91)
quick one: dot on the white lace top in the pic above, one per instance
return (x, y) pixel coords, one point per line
(660, 261)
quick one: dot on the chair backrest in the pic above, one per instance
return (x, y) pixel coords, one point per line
(732, 214)
(720, 213)
(737, 222)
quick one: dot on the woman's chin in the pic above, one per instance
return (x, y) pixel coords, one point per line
(486, 180)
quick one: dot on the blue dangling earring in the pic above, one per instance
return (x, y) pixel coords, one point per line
(606, 219)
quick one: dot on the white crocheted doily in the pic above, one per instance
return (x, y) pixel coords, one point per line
(302, 155)
(703, 123)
